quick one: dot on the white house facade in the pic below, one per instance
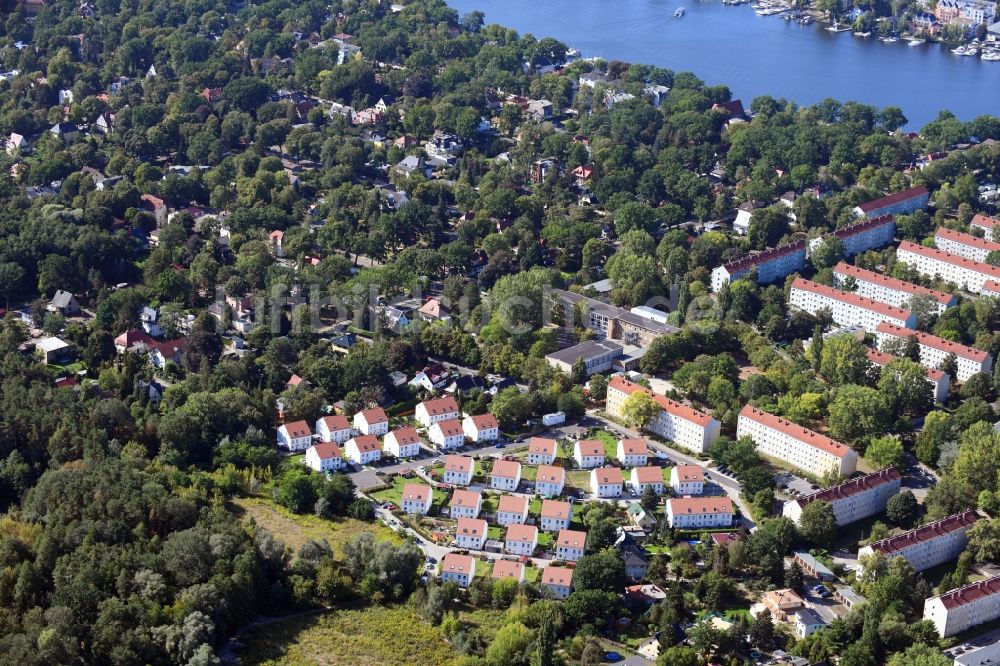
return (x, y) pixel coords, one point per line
(687, 480)
(458, 569)
(335, 428)
(541, 451)
(846, 308)
(606, 482)
(685, 426)
(481, 428)
(852, 500)
(363, 449)
(512, 510)
(964, 245)
(934, 350)
(295, 436)
(570, 545)
(632, 452)
(549, 480)
(700, 512)
(447, 434)
(458, 470)
(402, 443)
(470, 533)
(556, 515)
(928, 545)
(324, 457)
(505, 475)
(888, 290)
(963, 608)
(588, 453)
(416, 499)
(789, 442)
(647, 477)
(371, 422)
(966, 273)
(521, 540)
(438, 409)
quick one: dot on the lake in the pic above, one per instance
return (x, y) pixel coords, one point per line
(756, 55)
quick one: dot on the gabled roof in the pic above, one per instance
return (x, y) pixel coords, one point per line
(557, 576)
(513, 504)
(948, 258)
(336, 422)
(521, 533)
(297, 429)
(404, 436)
(417, 492)
(928, 340)
(365, 443)
(608, 475)
(454, 463)
(796, 431)
(571, 539)
(851, 298)
(894, 198)
(450, 428)
(852, 487)
(672, 407)
(634, 446)
(872, 277)
(648, 474)
(934, 530)
(466, 499)
(700, 505)
(556, 509)
(550, 474)
(542, 445)
(374, 415)
(437, 406)
(966, 239)
(508, 569)
(690, 473)
(484, 422)
(326, 450)
(471, 527)
(506, 469)
(590, 447)
(457, 564)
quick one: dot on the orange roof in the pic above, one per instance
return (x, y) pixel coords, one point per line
(634, 446)
(471, 527)
(556, 509)
(690, 473)
(891, 283)
(445, 405)
(449, 428)
(550, 474)
(455, 563)
(971, 592)
(966, 239)
(374, 415)
(700, 505)
(416, 491)
(933, 341)
(672, 407)
(297, 429)
(894, 198)
(953, 259)
(648, 474)
(512, 504)
(366, 443)
(506, 469)
(557, 576)
(465, 499)
(508, 569)
(938, 528)
(455, 463)
(979, 220)
(590, 447)
(880, 358)
(851, 299)
(336, 422)
(606, 475)
(327, 450)
(405, 436)
(542, 445)
(484, 421)
(852, 487)
(804, 435)
(571, 539)
(522, 533)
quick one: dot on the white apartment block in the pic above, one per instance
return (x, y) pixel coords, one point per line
(470, 533)
(771, 265)
(505, 475)
(606, 482)
(685, 426)
(521, 540)
(558, 580)
(458, 569)
(324, 457)
(481, 428)
(446, 434)
(687, 480)
(847, 308)
(541, 451)
(512, 510)
(700, 512)
(570, 545)
(588, 453)
(791, 443)
(889, 290)
(863, 236)
(335, 428)
(363, 449)
(556, 515)
(402, 443)
(929, 545)
(647, 477)
(458, 470)
(958, 610)
(852, 500)
(549, 480)
(371, 422)
(417, 498)
(940, 381)
(294, 436)
(632, 452)
(933, 350)
(433, 411)
(985, 223)
(964, 245)
(966, 273)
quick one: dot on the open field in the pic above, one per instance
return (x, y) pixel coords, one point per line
(294, 530)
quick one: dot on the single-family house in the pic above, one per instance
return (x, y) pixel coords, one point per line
(417, 499)
(16, 144)
(334, 428)
(164, 352)
(640, 517)
(570, 545)
(606, 482)
(402, 443)
(458, 569)
(433, 310)
(64, 303)
(505, 475)
(433, 411)
(541, 451)
(781, 604)
(324, 457)
(465, 504)
(470, 533)
(447, 434)
(632, 452)
(647, 477)
(588, 453)
(52, 350)
(512, 510)
(556, 515)
(807, 622)
(558, 581)
(432, 377)
(363, 449)
(371, 421)
(549, 480)
(458, 470)
(481, 428)
(67, 132)
(295, 436)
(521, 539)
(687, 480)
(508, 569)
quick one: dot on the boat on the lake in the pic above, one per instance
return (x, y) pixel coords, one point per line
(679, 12)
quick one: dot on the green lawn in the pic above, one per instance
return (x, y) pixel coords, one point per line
(578, 478)
(394, 493)
(544, 539)
(535, 506)
(528, 472)
(531, 574)
(355, 636)
(494, 532)
(609, 441)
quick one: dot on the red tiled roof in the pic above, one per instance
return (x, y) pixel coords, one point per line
(672, 407)
(336, 422)
(557, 576)
(297, 429)
(891, 282)
(894, 198)
(404, 436)
(985, 221)
(374, 415)
(455, 563)
(512, 504)
(804, 435)
(881, 359)
(366, 443)
(571, 538)
(861, 227)
(327, 450)
(466, 499)
(454, 463)
(971, 592)
(484, 421)
(556, 509)
(508, 569)
(852, 487)
(928, 340)
(416, 491)
(851, 299)
(763, 257)
(608, 475)
(634, 446)
(991, 286)
(590, 447)
(471, 527)
(506, 469)
(691, 473)
(550, 474)
(953, 259)
(542, 445)
(648, 474)
(966, 239)
(938, 528)
(449, 428)
(129, 339)
(445, 405)
(521, 533)
(700, 505)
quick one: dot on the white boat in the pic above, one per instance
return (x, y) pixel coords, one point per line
(679, 12)
(888, 40)
(916, 42)
(990, 56)
(863, 35)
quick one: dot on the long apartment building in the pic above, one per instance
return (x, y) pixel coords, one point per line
(940, 381)
(897, 203)
(852, 500)
(991, 288)
(863, 236)
(614, 323)
(699, 512)
(968, 274)
(985, 223)
(771, 265)
(928, 545)
(847, 308)
(933, 350)
(791, 443)
(888, 290)
(965, 607)
(685, 426)
(964, 245)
